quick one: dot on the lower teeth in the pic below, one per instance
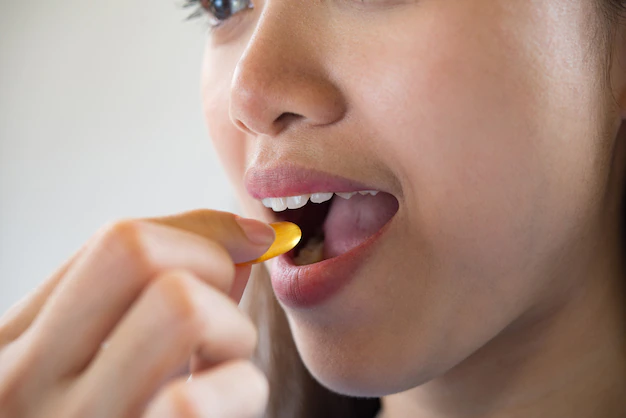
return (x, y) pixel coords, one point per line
(312, 252)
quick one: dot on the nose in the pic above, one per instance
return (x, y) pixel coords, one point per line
(280, 79)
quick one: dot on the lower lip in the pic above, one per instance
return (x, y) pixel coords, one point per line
(311, 285)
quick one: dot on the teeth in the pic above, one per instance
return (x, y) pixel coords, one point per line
(296, 202)
(365, 192)
(347, 195)
(279, 204)
(321, 197)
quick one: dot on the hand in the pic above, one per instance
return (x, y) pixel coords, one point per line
(160, 292)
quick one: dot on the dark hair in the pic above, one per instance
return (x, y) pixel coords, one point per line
(614, 10)
(294, 393)
(611, 14)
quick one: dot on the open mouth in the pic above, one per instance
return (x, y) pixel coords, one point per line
(332, 224)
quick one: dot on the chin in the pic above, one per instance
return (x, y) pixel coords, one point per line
(351, 371)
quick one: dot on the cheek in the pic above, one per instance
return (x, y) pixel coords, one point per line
(230, 143)
(497, 160)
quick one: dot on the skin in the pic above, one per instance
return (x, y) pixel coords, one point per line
(158, 292)
(506, 297)
(499, 290)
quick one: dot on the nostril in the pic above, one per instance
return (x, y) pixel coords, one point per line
(287, 118)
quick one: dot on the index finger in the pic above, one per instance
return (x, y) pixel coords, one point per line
(229, 233)
(228, 229)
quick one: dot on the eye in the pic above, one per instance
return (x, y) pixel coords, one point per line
(218, 11)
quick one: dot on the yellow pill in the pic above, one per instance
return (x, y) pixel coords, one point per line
(288, 235)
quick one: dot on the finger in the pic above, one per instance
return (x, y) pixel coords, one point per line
(177, 316)
(19, 317)
(111, 274)
(226, 228)
(231, 390)
(242, 274)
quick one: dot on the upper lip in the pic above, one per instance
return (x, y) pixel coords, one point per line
(290, 180)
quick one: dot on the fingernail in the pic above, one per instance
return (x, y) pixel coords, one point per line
(256, 231)
(288, 235)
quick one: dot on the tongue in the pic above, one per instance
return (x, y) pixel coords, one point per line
(350, 222)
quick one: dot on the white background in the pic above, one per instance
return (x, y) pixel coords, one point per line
(100, 118)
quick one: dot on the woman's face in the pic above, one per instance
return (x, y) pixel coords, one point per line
(486, 120)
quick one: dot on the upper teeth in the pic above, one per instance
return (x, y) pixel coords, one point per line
(279, 204)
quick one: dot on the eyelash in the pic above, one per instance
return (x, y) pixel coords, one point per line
(202, 8)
